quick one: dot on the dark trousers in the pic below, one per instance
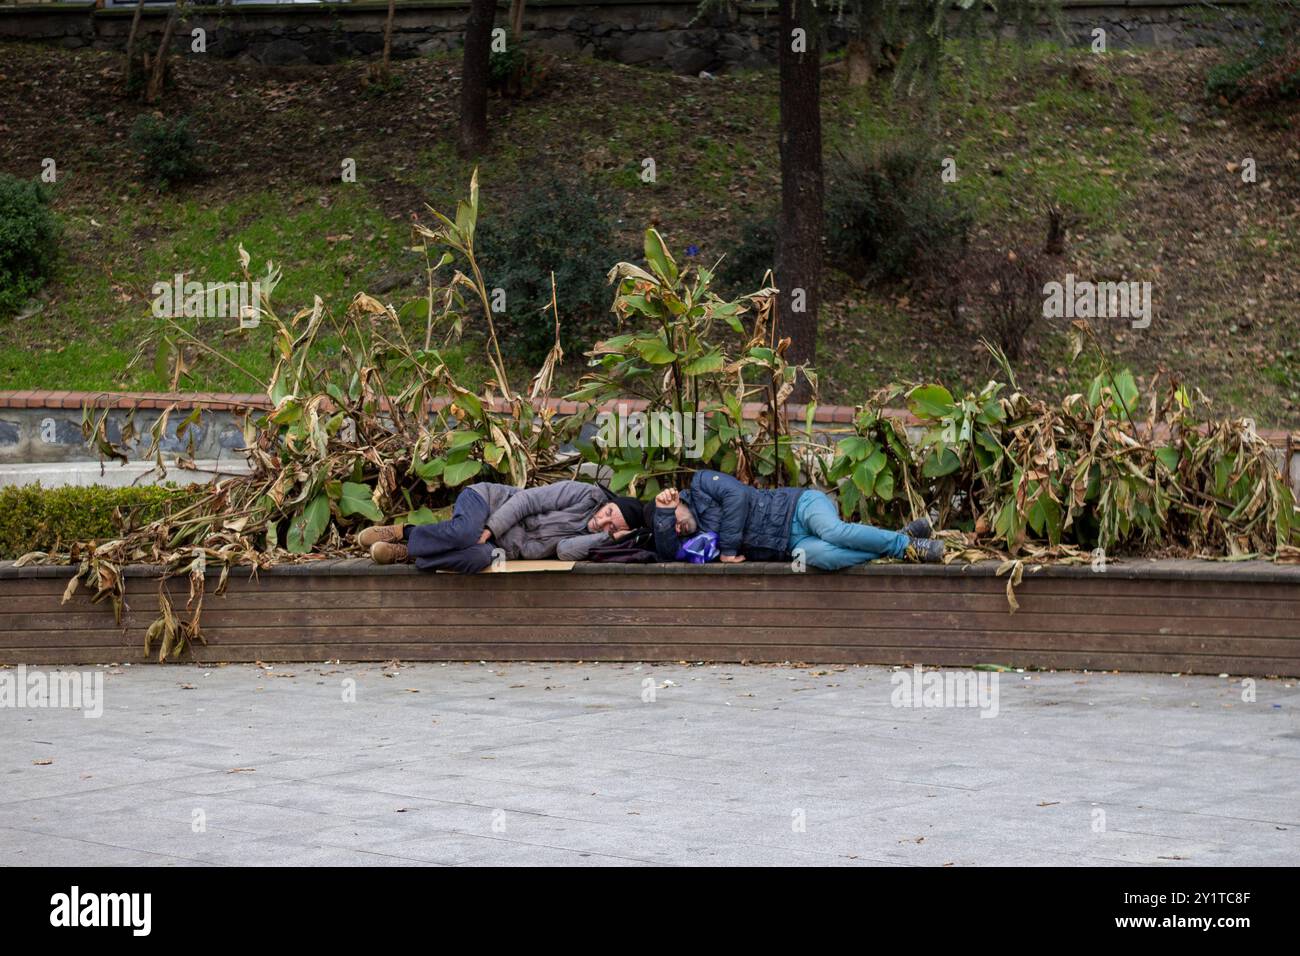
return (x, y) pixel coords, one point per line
(452, 545)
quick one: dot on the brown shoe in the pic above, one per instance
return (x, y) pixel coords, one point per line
(386, 552)
(391, 533)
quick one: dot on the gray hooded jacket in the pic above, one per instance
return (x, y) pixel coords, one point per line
(546, 522)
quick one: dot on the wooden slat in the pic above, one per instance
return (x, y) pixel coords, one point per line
(1179, 616)
(894, 600)
(228, 614)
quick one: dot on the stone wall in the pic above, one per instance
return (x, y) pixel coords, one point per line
(45, 427)
(651, 33)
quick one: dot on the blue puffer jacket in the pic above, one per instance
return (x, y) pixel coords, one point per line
(749, 521)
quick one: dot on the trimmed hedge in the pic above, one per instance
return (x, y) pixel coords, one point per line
(33, 518)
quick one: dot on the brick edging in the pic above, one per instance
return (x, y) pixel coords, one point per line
(237, 401)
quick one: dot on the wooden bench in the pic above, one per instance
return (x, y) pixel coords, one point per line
(1173, 616)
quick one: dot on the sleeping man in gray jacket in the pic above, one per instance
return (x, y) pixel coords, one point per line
(564, 520)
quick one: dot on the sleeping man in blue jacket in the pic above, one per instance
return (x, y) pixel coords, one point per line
(770, 525)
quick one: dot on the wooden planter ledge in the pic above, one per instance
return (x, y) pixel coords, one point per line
(1164, 616)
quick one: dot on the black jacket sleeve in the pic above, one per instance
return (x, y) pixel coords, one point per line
(666, 540)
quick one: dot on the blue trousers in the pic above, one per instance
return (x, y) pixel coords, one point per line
(452, 545)
(829, 543)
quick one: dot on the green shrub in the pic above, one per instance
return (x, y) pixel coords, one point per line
(33, 518)
(167, 147)
(888, 212)
(1262, 65)
(559, 226)
(518, 72)
(29, 236)
(504, 64)
(1264, 78)
(1226, 79)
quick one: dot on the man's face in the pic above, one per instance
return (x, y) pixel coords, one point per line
(607, 518)
(683, 521)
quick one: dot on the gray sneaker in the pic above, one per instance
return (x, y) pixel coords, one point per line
(926, 550)
(919, 528)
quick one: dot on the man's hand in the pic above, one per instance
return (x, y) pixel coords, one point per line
(668, 498)
(483, 538)
(732, 559)
(620, 535)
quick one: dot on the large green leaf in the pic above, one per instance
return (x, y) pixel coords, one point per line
(930, 401)
(657, 254)
(856, 447)
(464, 436)
(416, 310)
(1128, 390)
(1052, 518)
(307, 527)
(940, 462)
(420, 515)
(469, 402)
(885, 485)
(710, 362)
(864, 475)
(1123, 391)
(466, 218)
(429, 470)
(849, 498)
(654, 351)
(356, 500)
(1168, 456)
(624, 477)
(730, 313)
(458, 472)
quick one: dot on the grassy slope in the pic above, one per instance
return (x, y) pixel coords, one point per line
(1123, 141)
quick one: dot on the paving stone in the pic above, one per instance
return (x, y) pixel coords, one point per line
(564, 764)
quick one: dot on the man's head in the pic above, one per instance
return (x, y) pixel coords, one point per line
(683, 518)
(620, 514)
(607, 518)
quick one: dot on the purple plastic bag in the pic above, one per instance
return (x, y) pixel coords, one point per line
(700, 549)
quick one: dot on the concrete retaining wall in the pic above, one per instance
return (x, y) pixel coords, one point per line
(653, 33)
(40, 426)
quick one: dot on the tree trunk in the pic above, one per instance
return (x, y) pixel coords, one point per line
(517, 18)
(799, 247)
(857, 62)
(159, 75)
(388, 37)
(130, 43)
(474, 77)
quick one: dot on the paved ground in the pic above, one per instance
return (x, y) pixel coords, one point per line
(568, 764)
